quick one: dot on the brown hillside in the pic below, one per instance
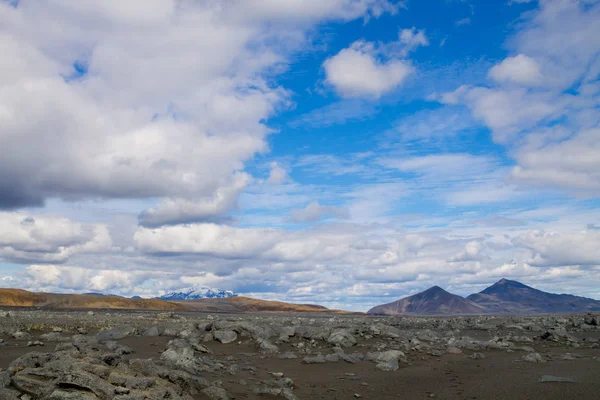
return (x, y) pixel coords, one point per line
(246, 304)
(23, 298)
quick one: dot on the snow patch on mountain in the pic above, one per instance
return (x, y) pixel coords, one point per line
(198, 292)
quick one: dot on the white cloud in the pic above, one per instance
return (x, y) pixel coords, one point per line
(571, 164)
(463, 21)
(551, 126)
(560, 249)
(434, 125)
(511, 2)
(519, 69)
(453, 166)
(26, 238)
(278, 174)
(178, 211)
(354, 262)
(172, 104)
(412, 39)
(508, 111)
(358, 71)
(315, 212)
(329, 164)
(473, 251)
(309, 10)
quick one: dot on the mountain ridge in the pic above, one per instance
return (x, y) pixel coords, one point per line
(503, 297)
(508, 297)
(433, 301)
(197, 292)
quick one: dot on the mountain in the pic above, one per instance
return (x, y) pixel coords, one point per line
(100, 294)
(23, 298)
(240, 304)
(198, 292)
(512, 297)
(433, 301)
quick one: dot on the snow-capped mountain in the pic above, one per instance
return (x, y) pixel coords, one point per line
(198, 292)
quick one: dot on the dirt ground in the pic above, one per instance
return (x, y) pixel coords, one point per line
(501, 375)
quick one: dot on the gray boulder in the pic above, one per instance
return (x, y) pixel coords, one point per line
(116, 333)
(151, 332)
(225, 336)
(341, 337)
(386, 360)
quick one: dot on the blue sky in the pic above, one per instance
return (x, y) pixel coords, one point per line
(345, 152)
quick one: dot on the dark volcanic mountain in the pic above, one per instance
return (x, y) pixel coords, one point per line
(509, 297)
(433, 301)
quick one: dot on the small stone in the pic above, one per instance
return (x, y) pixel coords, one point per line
(357, 395)
(216, 393)
(534, 358)
(559, 379)
(318, 359)
(19, 335)
(287, 356)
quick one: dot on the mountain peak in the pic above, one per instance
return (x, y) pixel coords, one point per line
(433, 301)
(434, 289)
(504, 285)
(198, 292)
(506, 296)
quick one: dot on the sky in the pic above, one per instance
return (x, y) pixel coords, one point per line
(340, 152)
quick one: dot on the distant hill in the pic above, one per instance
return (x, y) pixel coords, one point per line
(101, 294)
(23, 298)
(242, 304)
(433, 301)
(198, 292)
(232, 304)
(512, 297)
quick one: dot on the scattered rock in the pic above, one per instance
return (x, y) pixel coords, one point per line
(318, 359)
(225, 337)
(386, 360)
(560, 379)
(116, 333)
(216, 393)
(534, 358)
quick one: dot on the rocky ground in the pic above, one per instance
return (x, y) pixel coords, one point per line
(144, 355)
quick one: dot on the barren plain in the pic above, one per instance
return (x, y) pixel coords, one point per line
(127, 355)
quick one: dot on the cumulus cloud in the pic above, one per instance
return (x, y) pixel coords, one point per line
(548, 114)
(315, 212)
(179, 211)
(359, 71)
(519, 69)
(559, 249)
(24, 238)
(357, 262)
(278, 174)
(508, 111)
(473, 251)
(130, 106)
(412, 38)
(572, 164)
